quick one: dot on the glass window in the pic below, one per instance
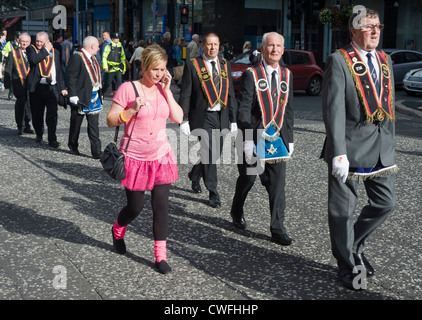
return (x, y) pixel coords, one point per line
(299, 58)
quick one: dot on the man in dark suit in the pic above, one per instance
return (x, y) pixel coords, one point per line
(358, 112)
(44, 82)
(266, 122)
(17, 68)
(84, 83)
(209, 105)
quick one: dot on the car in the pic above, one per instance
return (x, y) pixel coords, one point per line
(403, 62)
(412, 82)
(307, 75)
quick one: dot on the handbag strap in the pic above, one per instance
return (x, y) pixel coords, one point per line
(116, 134)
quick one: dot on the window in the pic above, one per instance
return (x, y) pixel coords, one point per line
(299, 58)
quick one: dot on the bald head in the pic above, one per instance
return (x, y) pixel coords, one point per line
(91, 45)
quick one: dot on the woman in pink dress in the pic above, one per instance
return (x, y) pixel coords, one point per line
(150, 161)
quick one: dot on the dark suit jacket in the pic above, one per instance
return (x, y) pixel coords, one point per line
(249, 115)
(194, 103)
(34, 75)
(78, 80)
(347, 130)
(11, 76)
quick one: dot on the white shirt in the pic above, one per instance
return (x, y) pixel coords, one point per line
(217, 107)
(363, 54)
(269, 73)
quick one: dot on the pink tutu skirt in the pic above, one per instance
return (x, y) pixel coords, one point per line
(144, 175)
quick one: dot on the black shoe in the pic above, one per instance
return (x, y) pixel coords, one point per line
(215, 200)
(28, 130)
(281, 238)
(119, 245)
(19, 132)
(97, 156)
(196, 187)
(360, 260)
(347, 280)
(239, 223)
(163, 267)
(38, 138)
(75, 152)
(54, 144)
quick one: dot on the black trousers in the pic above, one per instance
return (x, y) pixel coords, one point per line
(211, 146)
(44, 98)
(22, 111)
(112, 77)
(274, 180)
(76, 120)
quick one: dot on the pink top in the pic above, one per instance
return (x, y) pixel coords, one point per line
(149, 138)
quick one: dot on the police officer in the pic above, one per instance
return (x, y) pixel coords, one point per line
(114, 62)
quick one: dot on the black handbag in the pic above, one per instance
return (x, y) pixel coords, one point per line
(112, 159)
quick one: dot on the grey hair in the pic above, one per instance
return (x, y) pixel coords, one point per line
(273, 33)
(88, 41)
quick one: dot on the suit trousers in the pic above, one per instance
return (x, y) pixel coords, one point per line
(112, 77)
(44, 97)
(76, 120)
(22, 111)
(348, 237)
(211, 146)
(274, 180)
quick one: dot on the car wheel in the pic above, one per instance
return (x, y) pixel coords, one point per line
(314, 86)
(410, 93)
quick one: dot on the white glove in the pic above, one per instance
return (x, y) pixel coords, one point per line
(74, 100)
(291, 148)
(185, 128)
(341, 168)
(233, 127)
(248, 149)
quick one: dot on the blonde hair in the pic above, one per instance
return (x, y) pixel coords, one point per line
(152, 56)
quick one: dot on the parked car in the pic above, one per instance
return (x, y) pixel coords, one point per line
(307, 75)
(403, 62)
(412, 82)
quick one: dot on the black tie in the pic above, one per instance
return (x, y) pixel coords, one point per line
(373, 73)
(215, 77)
(274, 93)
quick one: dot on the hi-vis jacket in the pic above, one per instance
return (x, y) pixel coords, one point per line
(114, 58)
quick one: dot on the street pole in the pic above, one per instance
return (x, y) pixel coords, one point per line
(121, 28)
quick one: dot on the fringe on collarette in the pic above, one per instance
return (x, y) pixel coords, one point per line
(275, 160)
(375, 174)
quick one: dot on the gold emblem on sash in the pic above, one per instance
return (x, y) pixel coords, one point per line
(359, 68)
(385, 71)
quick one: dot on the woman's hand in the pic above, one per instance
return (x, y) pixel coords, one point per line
(140, 101)
(166, 80)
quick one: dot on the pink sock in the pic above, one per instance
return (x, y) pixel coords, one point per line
(119, 232)
(160, 250)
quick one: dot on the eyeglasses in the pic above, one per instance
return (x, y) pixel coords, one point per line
(370, 27)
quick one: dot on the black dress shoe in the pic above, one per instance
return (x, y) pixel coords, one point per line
(281, 238)
(196, 187)
(54, 144)
(360, 260)
(75, 152)
(28, 130)
(215, 201)
(347, 280)
(239, 223)
(163, 267)
(119, 245)
(38, 138)
(97, 156)
(19, 132)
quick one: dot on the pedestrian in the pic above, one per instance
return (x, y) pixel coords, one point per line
(17, 69)
(137, 56)
(114, 63)
(84, 83)
(66, 51)
(44, 82)
(193, 47)
(265, 118)
(150, 162)
(209, 106)
(358, 111)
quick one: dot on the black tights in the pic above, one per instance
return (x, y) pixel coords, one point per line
(159, 203)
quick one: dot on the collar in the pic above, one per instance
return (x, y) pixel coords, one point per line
(363, 52)
(87, 53)
(206, 59)
(268, 69)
